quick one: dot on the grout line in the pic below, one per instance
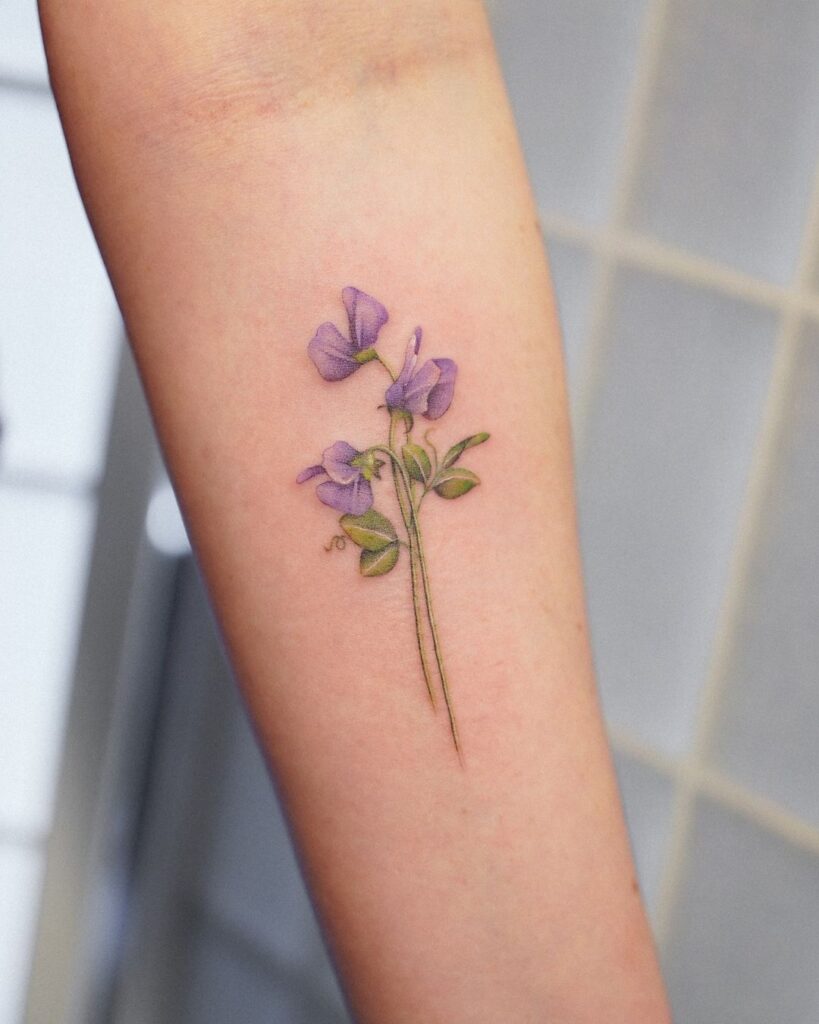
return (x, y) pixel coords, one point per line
(22, 84)
(750, 521)
(624, 742)
(32, 839)
(647, 253)
(765, 813)
(647, 65)
(47, 483)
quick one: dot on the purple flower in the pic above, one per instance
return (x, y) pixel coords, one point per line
(427, 390)
(335, 356)
(350, 471)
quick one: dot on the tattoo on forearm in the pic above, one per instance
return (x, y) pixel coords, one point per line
(415, 469)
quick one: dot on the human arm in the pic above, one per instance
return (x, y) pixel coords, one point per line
(242, 163)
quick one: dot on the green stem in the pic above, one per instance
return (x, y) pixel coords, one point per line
(400, 480)
(436, 642)
(389, 370)
(414, 533)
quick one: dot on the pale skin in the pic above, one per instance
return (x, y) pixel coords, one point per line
(242, 162)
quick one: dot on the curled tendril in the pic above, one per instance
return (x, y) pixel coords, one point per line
(339, 543)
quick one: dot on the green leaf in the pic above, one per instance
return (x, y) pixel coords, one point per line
(378, 563)
(372, 531)
(457, 450)
(417, 462)
(455, 481)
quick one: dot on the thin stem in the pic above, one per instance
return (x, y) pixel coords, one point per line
(436, 642)
(421, 497)
(398, 465)
(389, 370)
(400, 480)
(414, 533)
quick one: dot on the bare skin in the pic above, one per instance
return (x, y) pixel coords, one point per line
(241, 163)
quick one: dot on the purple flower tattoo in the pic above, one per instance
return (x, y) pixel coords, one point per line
(335, 356)
(348, 490)
(417, 470)
(427, 390)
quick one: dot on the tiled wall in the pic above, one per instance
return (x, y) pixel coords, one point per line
(673, 149)
(58, 343)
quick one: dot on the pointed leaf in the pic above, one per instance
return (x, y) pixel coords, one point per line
(457, 450)
(378, 563)
(370, 531)
(455, 481)
(417, 462)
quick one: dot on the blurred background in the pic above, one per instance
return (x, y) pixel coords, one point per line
(145, 872)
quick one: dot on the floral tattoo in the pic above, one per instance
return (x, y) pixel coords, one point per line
(418, 390)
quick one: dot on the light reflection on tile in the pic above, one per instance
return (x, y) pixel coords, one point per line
(767, 731)
(46, 541)
(649, 802)
(744, 942)
(662, 480)
(20, 878)
(21, 46)
(731, 147)
(569, 66)
(59, 333)
(572, 276)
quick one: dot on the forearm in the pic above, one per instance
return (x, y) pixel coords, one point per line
(242, 163)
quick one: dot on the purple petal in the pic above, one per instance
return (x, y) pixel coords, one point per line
(336, 462)
(394, 396)
(332, 353)
(353, 499)
(440, 397)
(366, 315)
(417, 392)
(396, 392)
(410, 356)
(309, 473)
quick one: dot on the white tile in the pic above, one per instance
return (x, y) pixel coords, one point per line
(20, 880)
(662, 476)
(767, 732)
(60, 330)
(649, 803)
(730, 148)
(21, 45)
(744, 940)
(45, 540)
(572, 272)
(569, 66)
